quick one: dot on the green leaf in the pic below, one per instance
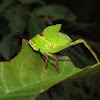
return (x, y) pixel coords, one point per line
(36, 25)
(16, 18)
(4, 5)
(29, 1)
(24, 75)
(55, 11)
(7, 47)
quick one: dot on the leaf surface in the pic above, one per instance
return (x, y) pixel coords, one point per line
(55, 11)
(24, 75)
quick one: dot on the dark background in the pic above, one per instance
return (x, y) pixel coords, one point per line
(79, 19)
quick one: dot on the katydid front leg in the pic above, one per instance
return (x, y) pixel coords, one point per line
(46, 56)
(53, 58)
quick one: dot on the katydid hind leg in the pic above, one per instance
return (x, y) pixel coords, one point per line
(57, 49)
(88, 47)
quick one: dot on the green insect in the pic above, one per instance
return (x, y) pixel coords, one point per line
(51, 41)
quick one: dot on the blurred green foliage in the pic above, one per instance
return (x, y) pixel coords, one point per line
(80, 19)
(21, 16)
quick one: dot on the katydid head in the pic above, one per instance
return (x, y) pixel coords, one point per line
(33, 45)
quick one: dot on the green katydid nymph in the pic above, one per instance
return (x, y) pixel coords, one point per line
(51, 41)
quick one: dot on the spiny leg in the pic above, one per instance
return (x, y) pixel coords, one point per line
(57, 49)
(46, 60)
(56, 63)
(87, 45)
